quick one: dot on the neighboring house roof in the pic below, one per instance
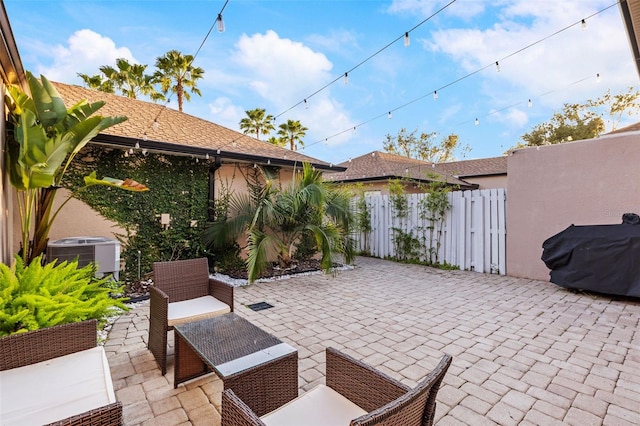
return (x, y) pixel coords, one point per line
(491, 166)
(630, 128)
(377, 165)
(179, 133)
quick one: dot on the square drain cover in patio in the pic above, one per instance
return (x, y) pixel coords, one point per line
(260, 306)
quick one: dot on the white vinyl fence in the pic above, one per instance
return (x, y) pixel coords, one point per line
(473, 233)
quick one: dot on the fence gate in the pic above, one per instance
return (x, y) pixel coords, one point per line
(473, 233)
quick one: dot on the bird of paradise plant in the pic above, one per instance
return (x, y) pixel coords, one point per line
(43, 137)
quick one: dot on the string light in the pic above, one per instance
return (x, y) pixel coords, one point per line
(346, 78)
(220, 23)
(407, 41)
(435, 95)
(529, 104)
(144, 138)
(497, 66)
(477, 121)
(137, 145)
(355, 130)
(583, 24)
(306, 105)
(598, 78)
(389, 115)
(156, 125)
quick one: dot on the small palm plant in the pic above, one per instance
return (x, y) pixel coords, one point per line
(43, 138)
(275, 220)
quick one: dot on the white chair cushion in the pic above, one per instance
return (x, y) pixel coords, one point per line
(53, 390)
(195, 309)
(321, 406)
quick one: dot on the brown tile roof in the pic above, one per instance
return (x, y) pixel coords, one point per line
(480, 167)
(379, 165)
(631, 128)
(178, 132)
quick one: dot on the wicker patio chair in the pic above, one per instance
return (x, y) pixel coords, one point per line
(19, 352)
(182, 292)
(355, 394)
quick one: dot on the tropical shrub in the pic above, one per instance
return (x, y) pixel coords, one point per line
(34, 296)
(276, 220)
(43, 137)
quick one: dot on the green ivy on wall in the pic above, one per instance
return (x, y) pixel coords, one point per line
(178, 186)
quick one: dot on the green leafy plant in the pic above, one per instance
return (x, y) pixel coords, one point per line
(43, 137)
(434, 208)
(34, 296)
(406, 244)
(275, 220)
(179, 189)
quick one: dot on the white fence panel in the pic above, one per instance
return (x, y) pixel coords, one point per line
(473, 233)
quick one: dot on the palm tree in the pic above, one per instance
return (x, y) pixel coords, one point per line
(130, 79)
(257, 122)
(293, 132)
(277, 141)
(97, 82)
(176, 74)
(276, 220)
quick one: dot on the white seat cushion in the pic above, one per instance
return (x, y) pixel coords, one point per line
(53, 390)
(195, 309)
(321, 406)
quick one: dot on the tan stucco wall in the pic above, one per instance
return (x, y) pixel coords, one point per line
(583, 183)
(488, 182)
(76, 219)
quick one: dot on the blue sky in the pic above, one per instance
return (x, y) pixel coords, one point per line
(275, 54)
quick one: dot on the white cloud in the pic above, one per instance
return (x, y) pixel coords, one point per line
(279, 69)
(225, 113)
(85, 52)
(548, 69)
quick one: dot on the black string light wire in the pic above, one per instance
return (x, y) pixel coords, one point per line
(404, 36)
(435, 92)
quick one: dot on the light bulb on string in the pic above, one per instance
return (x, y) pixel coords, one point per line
(497, 66)
(407, 41)
(346, 78)
(355, 130)
(583, 24)
(306, 104)
(477, 122)
(529, 104)
(137, 145)
(598, 78)
(389, 115)
(156, 125)
(435, 95)
(220, 23)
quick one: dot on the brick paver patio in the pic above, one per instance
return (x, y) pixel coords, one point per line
(525, 352)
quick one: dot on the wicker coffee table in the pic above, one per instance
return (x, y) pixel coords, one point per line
(260, 368)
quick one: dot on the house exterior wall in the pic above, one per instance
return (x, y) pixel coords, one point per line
(488, 182)
(7, 199)
(588, 182)
(78, 219)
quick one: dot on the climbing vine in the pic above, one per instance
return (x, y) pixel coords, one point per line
(178, 186)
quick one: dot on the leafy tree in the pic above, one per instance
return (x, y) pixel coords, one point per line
(176, 74)
(575, 122)
(276, 220)
(584, 121)
(257, 122)
(292, 132)
(129, 79)
(423, 147)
